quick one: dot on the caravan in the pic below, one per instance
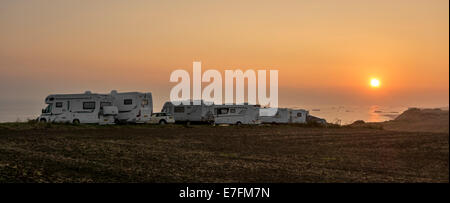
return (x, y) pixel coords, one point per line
(79, 108)
(134, 107)
(236, 114)
(202, 113)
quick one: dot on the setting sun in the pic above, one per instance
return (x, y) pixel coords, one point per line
(375, 82)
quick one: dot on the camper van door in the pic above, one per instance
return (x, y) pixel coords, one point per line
(86, 111)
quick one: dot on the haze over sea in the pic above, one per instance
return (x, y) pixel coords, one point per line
(22, 110)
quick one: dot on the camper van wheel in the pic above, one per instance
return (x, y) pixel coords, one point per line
(188, 123)
(116, 121)
(43, 120)
(162, 122)
(238, 123)
(76, 121)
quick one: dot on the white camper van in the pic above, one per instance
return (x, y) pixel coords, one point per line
(236, 114)
(298, 115)
(284, 115)
(190, 113)
(79, 108)
(134, 107)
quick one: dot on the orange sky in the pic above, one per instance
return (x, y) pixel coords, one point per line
(325, 51)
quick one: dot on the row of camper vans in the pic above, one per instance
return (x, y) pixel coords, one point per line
(137, 107)
(110, 108)
(214, 114)
(233, 114)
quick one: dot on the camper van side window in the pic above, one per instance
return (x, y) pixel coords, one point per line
(127, 101)
(179, 109)
(299, 114)
(88, 105)
(222, 111)
(102, 104)
(58, 104)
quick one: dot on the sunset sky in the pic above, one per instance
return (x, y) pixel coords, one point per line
(326, 51)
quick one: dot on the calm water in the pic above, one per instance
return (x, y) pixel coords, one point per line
(11, 111)
(349, 114)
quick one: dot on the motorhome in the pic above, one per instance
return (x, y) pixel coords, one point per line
(298, 115)
(236, 114)
(79, 108)
(283, 115)
(134, 107)
(187, 113)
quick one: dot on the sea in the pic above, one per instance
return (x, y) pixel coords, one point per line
(346, 114)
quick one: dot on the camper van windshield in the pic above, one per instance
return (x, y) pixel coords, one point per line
(47, 109)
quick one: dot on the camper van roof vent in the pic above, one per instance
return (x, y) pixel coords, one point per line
(88, 92)
(114, 92)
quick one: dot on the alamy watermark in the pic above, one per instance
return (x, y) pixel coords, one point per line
(256, 83)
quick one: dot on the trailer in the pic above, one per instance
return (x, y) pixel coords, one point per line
(236, 114)
(79, 108)
(190, 113)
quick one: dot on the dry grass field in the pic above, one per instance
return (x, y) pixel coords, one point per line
(31, 152)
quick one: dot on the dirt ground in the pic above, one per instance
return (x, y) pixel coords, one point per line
(281, 153)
